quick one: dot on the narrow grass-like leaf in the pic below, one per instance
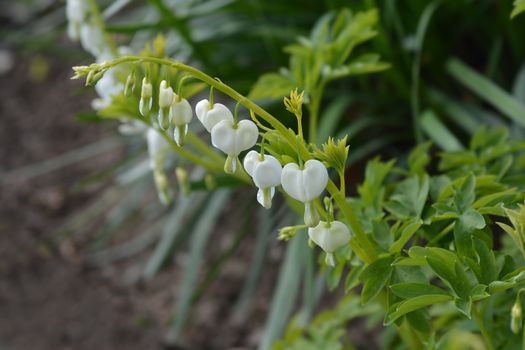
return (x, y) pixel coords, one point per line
(286, 291)
(176, 223)
(331, 117)
(199, 240)
(422, 27)
(439, 133)
(487, 90)
(256, 265)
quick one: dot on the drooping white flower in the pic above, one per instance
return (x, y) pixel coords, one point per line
(210, 115)
(329, 237)
(180, 116)
(158, 149)
(92, 38)
(265, 171)
(233, 138)
(76, 11)
(166, 95)
(305, 185)
(146, 100)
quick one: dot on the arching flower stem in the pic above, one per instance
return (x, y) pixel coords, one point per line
(364, 248)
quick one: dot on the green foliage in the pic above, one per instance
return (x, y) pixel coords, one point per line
(438, 238)
(519, 7)
(324, 55)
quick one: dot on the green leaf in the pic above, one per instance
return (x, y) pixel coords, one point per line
(468, 222)
(487, 90)
(375, 276)
(412, 290)
(407, 232)
(285, 293)
(199, 240)
(366, 64)
(438, 132)
(400, 309)
(409, 197)
(419, 158)
(519, 7)
(271, 85)
(487, 262)
(176, 224)
(464, 196)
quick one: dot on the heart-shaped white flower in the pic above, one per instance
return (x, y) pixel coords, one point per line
(305, 185)
(266, 173)
(180, 116)
(329, 237)
(233, 138)
(210, 116)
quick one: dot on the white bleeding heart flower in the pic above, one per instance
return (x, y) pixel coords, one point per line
(233, 138)
(265, 171)
(305, 185)
(146, 100)
(158, 149)
(210, 115)
(329, 236)
(165, 100)
(180, 116)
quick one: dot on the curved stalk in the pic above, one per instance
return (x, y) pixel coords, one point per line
(366, 250)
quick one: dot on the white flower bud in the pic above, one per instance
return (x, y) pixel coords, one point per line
(180, 116)
(305, 185)
(165, 101)
(516, 317)
(329, 237)
(233, 139)
(146, 100)
(266, 174)
(211, 116)
(165, 95)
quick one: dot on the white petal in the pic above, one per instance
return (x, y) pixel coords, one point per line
(222, 137)
(315, 178)
(250, 161)
(329, 238)
(260, 197)
(181, 112)
(218, 113)
(246, 135)
(292, 182)
(201, 109)
(165, 95)
(267, 173)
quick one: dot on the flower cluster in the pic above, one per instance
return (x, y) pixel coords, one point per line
(303, 178)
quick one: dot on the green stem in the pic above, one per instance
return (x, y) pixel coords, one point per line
(481, 324)
(203, 147)
(342, 182)
(354, 223)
